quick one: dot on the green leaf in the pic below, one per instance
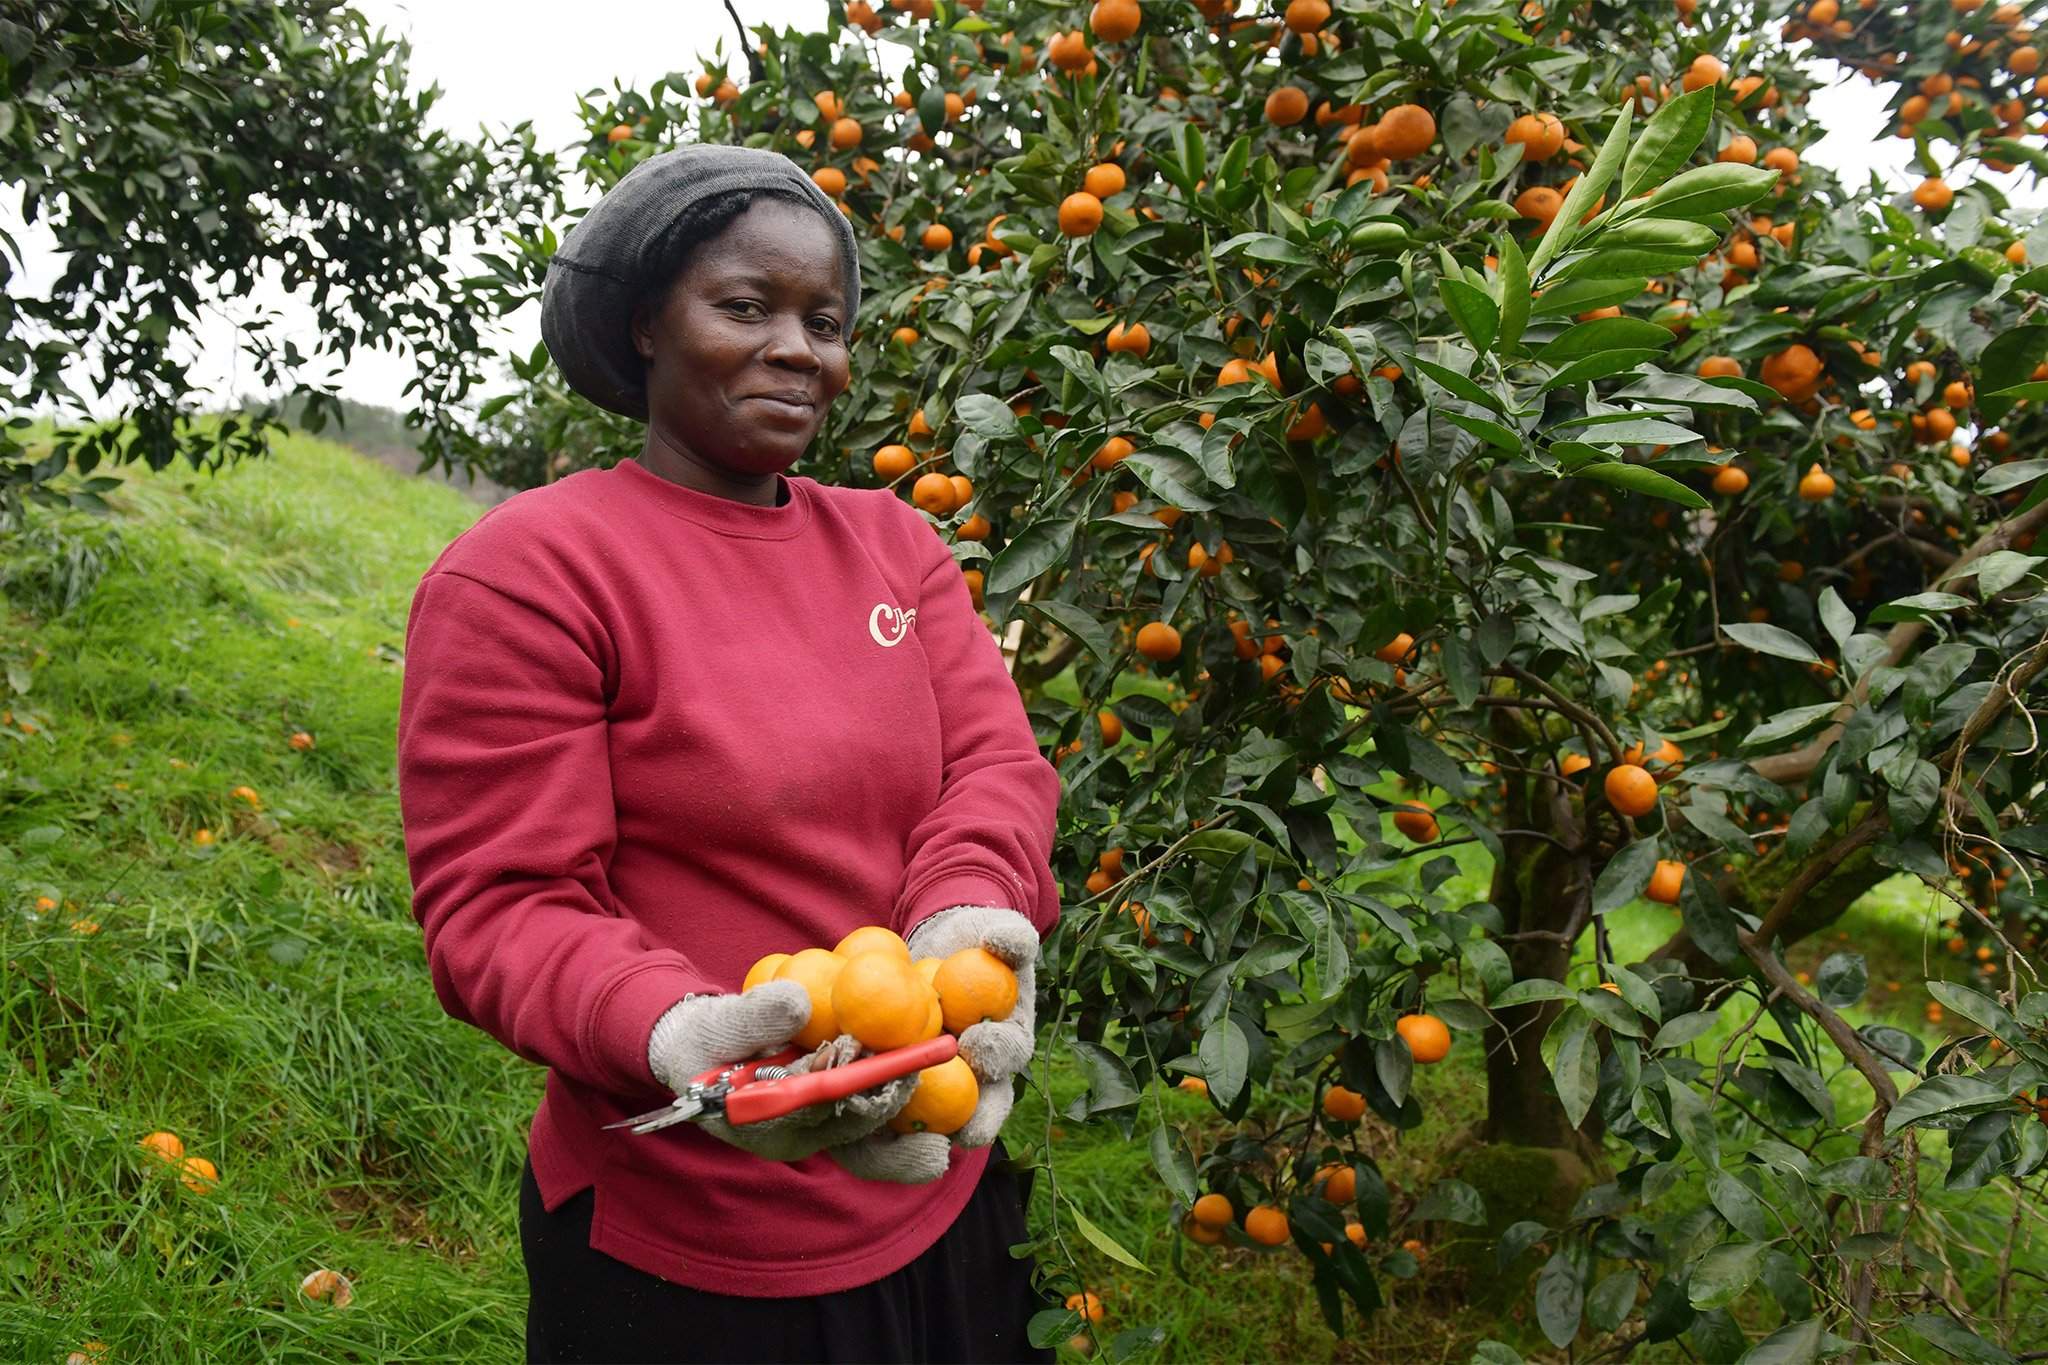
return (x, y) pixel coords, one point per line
(1575, 1066)
(1077, 623)
(1226, 1057)
(1451, 1201)
(1719, 1277)
(1174, 478)
(2000, 477)
(1684, 1029)
(1603, 334)
(1103, 1242)
(986, 416)
(1768, 639)
(1030, 553)
(1514, 293)
(1641, 479)
(1460, 385)
(1667, 142)
(1795, 1343)
(1708, 190)
(1530, 990)
(1175, 1164)
(1946, 1334)
(1493, 433)
(1582, 296)
(1941, 1096)
(1625, 876)
(1472, 310)
(1738, 1203)
(1788, 724)
(1586, 192)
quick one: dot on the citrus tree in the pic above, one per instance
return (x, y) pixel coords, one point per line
(177, 151)
(1382, 428)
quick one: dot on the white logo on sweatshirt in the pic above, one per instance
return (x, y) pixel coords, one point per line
(899, 624)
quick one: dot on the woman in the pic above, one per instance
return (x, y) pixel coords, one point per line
(662, 719)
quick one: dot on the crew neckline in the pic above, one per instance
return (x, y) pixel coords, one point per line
(723, 515)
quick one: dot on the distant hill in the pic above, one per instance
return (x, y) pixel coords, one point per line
(381, 434)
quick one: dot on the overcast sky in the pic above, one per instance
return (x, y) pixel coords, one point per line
(502, 61)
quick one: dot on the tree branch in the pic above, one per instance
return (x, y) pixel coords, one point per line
(1797, 765)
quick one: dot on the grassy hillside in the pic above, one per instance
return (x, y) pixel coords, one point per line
(243, 970)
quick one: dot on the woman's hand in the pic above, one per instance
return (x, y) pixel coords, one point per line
(996, 1051)
(700, 1032)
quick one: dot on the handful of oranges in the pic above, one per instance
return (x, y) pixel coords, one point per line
(867, 986)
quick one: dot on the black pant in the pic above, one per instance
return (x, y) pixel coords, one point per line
(964, 1299)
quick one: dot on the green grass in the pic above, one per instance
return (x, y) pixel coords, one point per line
(264, 995)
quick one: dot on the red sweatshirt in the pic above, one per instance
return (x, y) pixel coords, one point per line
(648, 735)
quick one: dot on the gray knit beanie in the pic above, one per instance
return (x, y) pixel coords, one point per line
(619, 253)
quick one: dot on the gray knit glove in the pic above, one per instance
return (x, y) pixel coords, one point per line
(998, 1050)
(699, 1032)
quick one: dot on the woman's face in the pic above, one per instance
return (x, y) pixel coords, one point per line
(748, 348)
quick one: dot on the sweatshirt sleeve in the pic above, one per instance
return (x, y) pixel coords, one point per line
(988, 840)
(505, 787)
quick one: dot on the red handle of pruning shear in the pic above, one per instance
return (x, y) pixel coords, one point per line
(758, 1100)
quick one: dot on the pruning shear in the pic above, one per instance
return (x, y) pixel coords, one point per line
(765, 1088)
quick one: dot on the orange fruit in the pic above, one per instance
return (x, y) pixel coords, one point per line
(1114, 20)
(1720, 367)
(1340, 1184)
(1794, 372)
(1427, 1036)
(872, 938)
(1396, 649)
(1406, 130)
(1104, 180)
(1539, 202)
(1194, 1085)
(1307, 16)
(1666, 882)
(880, 999)
(1286, 106)
(1816, 485)
(619, 133)
(942, 1102)
(1705, 70)
(1080, 214)
(1114, 452)
(1730, 479)
(936, 237)
(1158, 642)
(934, 493)
(1266, 1225)
(1214, 1210)
(815, 969)
(963, 490)
(974, 986)
(846, 134)
(1741, 150)
(1933, 194)
(166, 1146)
(1135, 339)
(327, 1286)
(1355, 1233)
(1539, 135)
(830, 179)
(1574, 763)
(199, 1174)
(830, 106)
(1086, 1304)
(764, 970)
(893, 462)
(1631, 790)
(1419, 825)
(1346, 1106)
(1783, 160)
